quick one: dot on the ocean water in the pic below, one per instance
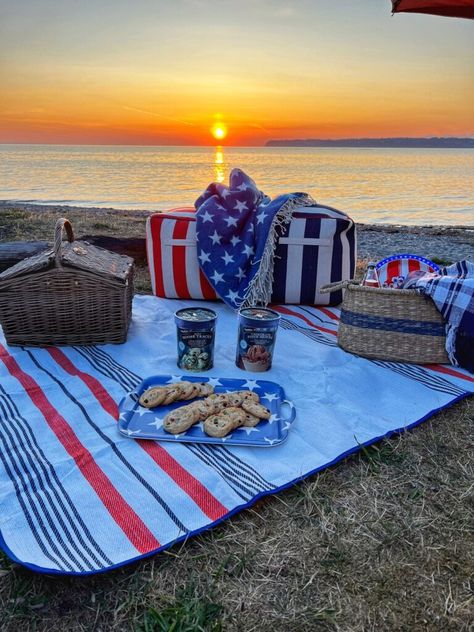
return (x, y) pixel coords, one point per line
(404, 186)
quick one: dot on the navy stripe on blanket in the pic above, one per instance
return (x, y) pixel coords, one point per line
(107, 369)
(113, 446)
(321, 317)
(315, 335)
(208, 458)
(245, 479)
(105, 358)
(59, 504)
(382, 323)
(230, 456)
(36, 514)
(423, 376)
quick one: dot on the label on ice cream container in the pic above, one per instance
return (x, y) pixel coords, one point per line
(195, 335)
(256, 338)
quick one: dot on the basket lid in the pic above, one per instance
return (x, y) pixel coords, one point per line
(37, 263)
(79, 255)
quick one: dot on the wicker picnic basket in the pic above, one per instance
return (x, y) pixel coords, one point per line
(72, 294)
(390, 324)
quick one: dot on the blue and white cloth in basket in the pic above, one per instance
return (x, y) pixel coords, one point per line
(453, 294)
(77, 497)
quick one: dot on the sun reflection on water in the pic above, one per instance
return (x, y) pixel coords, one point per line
(219, 164)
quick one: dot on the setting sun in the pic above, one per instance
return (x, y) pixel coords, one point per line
(219, 131)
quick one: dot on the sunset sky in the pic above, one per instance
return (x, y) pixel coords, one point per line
(159, 72)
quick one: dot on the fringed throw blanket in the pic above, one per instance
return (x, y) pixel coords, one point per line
(236, 237)
(453, 294)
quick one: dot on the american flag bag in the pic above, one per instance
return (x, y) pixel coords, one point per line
(317, 247)
(172, 256)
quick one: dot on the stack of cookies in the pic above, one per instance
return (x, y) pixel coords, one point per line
(169, 393)
(221, 413)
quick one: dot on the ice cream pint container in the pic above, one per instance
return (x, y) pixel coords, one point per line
(256, 338)
(196, 328)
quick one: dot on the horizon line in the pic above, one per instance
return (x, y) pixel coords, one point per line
(224, 145)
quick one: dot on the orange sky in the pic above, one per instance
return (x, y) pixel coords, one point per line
(150, 73)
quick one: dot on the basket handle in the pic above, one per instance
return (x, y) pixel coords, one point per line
(336, 285)
(61, 224)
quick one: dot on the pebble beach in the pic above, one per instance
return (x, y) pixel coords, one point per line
(375, 241)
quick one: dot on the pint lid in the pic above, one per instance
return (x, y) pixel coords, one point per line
(195, 317)
(257, 315)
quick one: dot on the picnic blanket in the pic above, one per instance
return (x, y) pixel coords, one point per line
(237, 235)
(77, 497)
(453, 294)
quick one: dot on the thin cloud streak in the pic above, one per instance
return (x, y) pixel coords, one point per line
(160, 116)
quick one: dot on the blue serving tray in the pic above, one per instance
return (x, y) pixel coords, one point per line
(137, 422)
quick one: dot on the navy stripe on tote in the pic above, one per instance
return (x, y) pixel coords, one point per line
(279, 273)
(336, 263)
(312, 230)
(351, 237)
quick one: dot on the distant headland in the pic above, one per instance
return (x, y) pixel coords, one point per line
(445, 143)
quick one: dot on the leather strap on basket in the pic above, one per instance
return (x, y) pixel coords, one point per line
(337, 285)
(61, 224)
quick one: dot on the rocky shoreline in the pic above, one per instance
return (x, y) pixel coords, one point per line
(445, 243)
(375, 241)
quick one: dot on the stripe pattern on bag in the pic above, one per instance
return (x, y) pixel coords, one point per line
(172, 256)
(318, 247)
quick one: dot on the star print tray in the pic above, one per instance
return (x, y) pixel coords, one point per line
(137, 422)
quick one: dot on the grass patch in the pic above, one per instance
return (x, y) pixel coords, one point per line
(188, 613)
(379, 454)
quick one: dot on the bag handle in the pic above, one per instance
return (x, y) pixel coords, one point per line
(61, 224)
(336, 285)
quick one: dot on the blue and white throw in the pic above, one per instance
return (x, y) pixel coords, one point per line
(453, 294)
(236, 237)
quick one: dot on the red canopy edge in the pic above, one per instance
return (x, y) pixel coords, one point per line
(448, 8)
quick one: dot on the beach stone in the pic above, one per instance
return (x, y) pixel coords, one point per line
(446, 243)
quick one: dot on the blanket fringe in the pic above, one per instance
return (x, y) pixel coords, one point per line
(259, 291)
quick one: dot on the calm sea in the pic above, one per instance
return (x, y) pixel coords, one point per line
(406, 186)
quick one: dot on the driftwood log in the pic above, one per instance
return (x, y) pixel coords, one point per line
(14, 251)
